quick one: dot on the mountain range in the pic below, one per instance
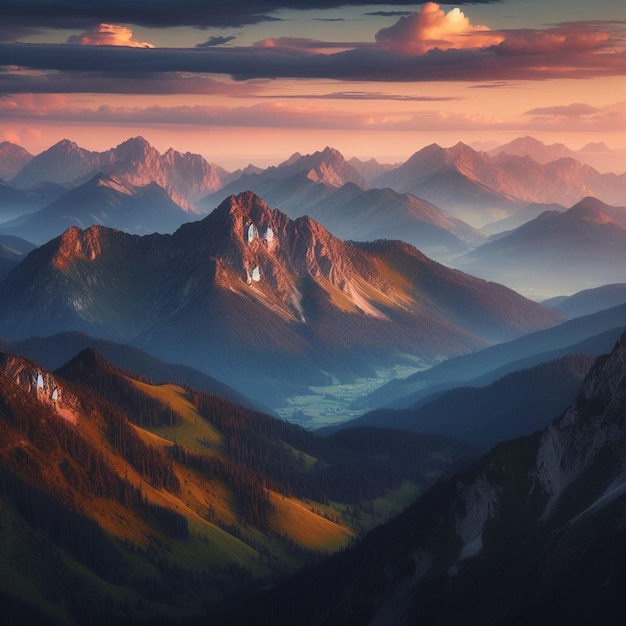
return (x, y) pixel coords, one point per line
(591, 334)
(580, 248)
(53, 351)
(446, 187)
(185, 177)
(142, 479)
(589, 301)
(152, 502)
(105, 199)
(532, 533)
(597, 155)
(480, 189)
(252, 297)
(517, 404)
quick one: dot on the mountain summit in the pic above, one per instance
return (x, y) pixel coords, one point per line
(251, 296)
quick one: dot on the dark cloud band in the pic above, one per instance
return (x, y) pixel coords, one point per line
(163, 13)
(373, 63)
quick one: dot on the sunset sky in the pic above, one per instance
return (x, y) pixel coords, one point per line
(254, 81)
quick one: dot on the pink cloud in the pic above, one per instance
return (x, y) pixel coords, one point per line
(569, 38)
(576, 109)
(310, 46)
(580, 118)
(21, 136)
(433, 28)
(108, 35)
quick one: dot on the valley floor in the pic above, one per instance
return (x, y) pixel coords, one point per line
(335, 404)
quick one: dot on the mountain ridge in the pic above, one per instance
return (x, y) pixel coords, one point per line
(248, 275)
(186, 177)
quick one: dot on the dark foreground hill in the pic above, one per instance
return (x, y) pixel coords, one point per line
(533, 533)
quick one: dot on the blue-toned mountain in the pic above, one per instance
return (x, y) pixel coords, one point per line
(254, 298)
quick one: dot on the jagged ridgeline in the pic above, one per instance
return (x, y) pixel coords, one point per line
(157, 500)
(267, 304)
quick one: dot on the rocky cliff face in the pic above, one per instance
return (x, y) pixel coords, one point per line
(591, 433)
(518, 534)
(39, 383)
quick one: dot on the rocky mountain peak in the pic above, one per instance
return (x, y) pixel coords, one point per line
(134, 146)
(65, 145)
(75, 243)
(326, 166)
(63, 162)
(12, 159)
(244, 207)
(39, 383)
(591, 209)
(592, 203)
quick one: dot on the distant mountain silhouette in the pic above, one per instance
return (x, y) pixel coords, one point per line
(517, 404)
(557, 253)
(12, 159)
(12, 252)
(185, 177)
(105, 200)
(480, 189)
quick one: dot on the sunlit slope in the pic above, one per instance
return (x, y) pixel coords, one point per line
(290, 517)
(149, 500)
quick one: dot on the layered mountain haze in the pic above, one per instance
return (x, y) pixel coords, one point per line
(295, 184)
(589, 301)
(532, 533)
(12, 252)
(580, 248)
(517, 404)
(458, 179)
(326, 187)
(107, 200)
(476, 187)
(480, 189)
(16, 204)
(595, 154)
(351, 213)
(252, 297)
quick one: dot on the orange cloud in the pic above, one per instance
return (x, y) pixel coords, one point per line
(108, 35)
(433, 28)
